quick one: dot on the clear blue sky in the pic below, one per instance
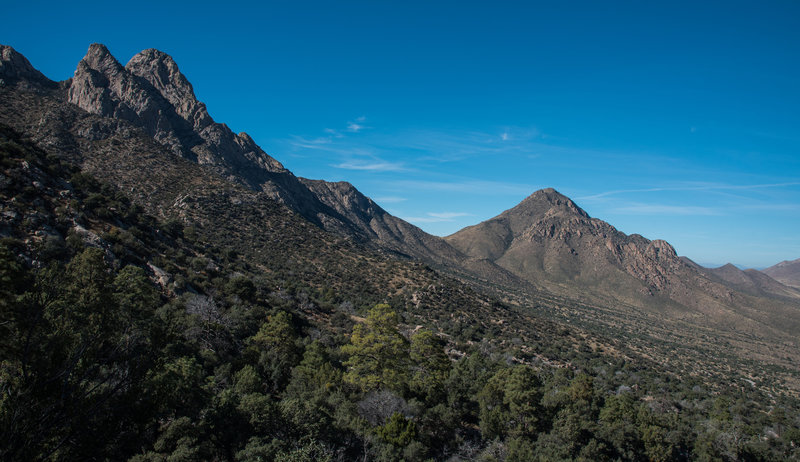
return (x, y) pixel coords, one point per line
(677, 121)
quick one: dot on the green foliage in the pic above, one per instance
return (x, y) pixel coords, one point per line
(311, 451)
(397, 431)
(510, 404)
(378, 354)
(241, 287)
(274, 345)
(430, 366)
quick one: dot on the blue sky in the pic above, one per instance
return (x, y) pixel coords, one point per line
(674, 120)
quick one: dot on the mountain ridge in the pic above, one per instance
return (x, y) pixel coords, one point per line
(544, 254)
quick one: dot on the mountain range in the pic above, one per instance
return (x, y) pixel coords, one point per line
(141, 128)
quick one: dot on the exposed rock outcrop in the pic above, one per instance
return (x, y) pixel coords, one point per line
(151, 92)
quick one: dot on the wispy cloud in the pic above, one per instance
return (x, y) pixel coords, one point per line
(448, 215)
(354, 127)
(310, 143)
(390, 199)
(657, 209)
(443, 146)
(333, 132)
(428, 148)
(466, 186)
(378, 166)
(690, 187)
(437, 217)
(357, 125)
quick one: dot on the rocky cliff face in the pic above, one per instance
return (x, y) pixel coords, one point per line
(102, 86)
(219, 142)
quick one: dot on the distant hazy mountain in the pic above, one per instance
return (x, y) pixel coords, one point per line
(754, 282)
(787, 272)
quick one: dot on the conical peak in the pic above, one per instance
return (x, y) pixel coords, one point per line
(98, 49)
(547, 194)
(546, 199)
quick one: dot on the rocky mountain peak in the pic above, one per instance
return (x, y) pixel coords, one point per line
(102, 86)
(153, 94)
(15, 67)
(161, 71)
(100, 59)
